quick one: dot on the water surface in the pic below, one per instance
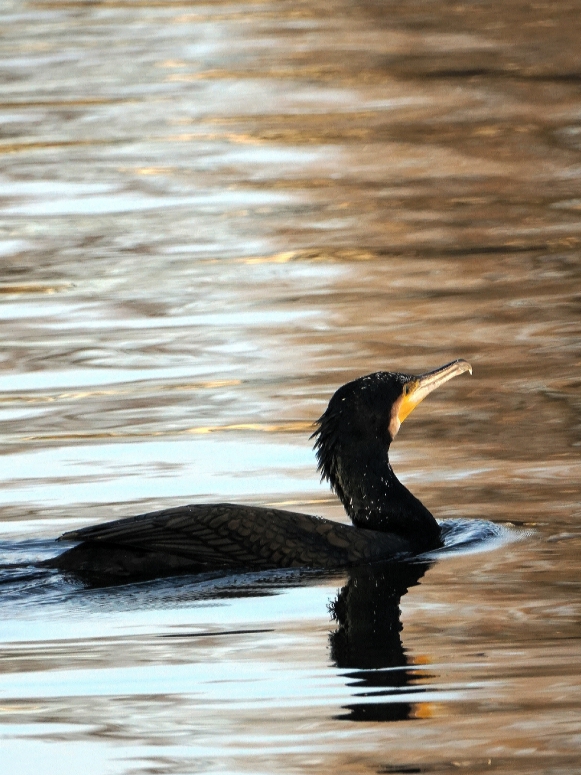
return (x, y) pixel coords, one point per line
(211, 216)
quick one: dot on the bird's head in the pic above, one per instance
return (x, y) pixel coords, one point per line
(363, 418)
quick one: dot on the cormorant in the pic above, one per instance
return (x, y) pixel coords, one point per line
(352, 441)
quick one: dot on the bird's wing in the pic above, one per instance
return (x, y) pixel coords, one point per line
(227, 535)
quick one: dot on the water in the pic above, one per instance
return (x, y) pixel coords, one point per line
(212, 216)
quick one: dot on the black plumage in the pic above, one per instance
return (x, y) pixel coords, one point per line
(352, 441)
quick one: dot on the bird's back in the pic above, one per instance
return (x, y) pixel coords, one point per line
(223, 536)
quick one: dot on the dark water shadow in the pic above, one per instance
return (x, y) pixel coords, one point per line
(368, 640)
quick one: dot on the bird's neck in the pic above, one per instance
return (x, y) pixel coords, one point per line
(375, 499)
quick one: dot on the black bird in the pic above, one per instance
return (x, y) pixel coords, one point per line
(352, 441)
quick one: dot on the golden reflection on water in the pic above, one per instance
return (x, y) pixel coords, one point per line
(212, 216)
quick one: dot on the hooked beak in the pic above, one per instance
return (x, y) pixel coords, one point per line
(419, 387)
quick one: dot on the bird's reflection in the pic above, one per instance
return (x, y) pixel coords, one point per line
(367, 640)
(366, 644)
